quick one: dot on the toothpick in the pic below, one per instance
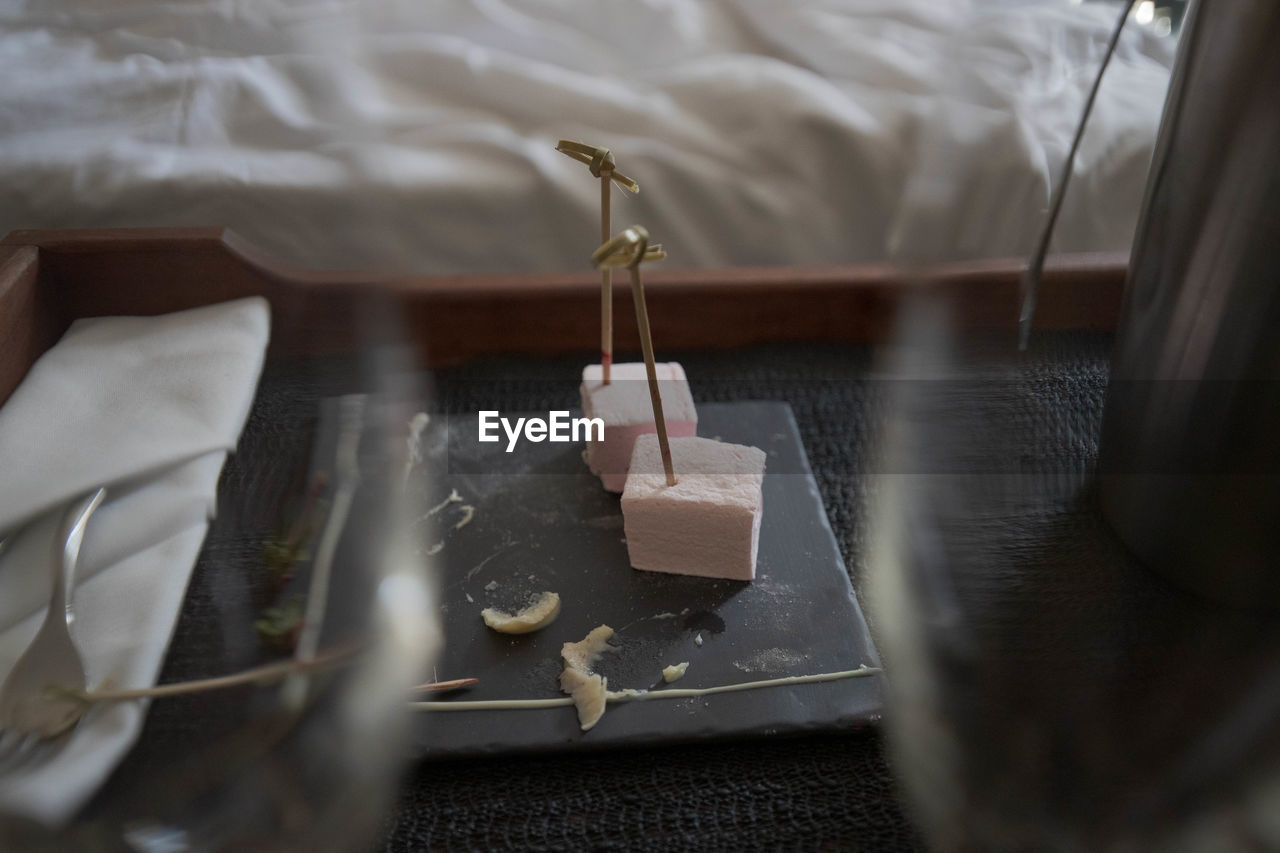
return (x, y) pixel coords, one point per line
(606, 285)
(642, 320)
(631, 248)
(600, 161)
(442, 686)
(293, 693)
(262, 675)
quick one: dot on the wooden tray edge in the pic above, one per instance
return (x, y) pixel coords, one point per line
(49, 278)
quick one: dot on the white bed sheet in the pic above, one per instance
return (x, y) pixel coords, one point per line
(419, 135)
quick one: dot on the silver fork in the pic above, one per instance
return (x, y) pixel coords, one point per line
(31, 718)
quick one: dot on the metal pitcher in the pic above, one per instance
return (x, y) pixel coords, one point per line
(1189, 460)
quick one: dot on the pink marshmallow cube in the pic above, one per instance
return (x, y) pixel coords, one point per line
(708, 523)
(627, 412)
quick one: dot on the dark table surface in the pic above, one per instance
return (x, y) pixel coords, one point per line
(833, 791)
(1043, 622)
(1051, 692)
(836, 790)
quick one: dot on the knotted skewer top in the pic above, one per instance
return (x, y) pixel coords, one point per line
(599, 160)
(630, 248)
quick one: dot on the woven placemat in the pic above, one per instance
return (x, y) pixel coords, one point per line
(832, 791)
(822, 792)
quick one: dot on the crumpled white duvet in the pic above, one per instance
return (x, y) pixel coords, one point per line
(419, 135)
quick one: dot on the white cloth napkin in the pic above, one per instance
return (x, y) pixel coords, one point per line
(149, 407)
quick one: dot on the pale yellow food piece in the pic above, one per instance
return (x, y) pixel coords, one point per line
(674, 672)
(540, 614)
(590, 693)
(588, 690)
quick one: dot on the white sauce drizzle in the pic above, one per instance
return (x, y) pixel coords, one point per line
(639, 695)
(478, 566)
(454, 498)
(419, 422)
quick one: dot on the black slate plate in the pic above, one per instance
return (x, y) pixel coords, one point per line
(540, 521)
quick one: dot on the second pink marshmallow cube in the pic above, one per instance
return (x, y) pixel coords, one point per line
(627, 411)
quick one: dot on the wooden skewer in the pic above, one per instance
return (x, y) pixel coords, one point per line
(600, 161)
(642, 320)
(606, 284)
(442, 686)
(261, 675)
(633, 244)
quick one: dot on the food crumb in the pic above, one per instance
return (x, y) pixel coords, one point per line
(674, 672)
(490, 586)
(416, 426)
(539, 614)
(587, 688)
(454, 497)
(697, 640)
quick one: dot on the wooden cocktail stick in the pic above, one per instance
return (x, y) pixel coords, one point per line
(442, 686)
(631, 248)
(262, 675)
(606, 286)
(600, 162)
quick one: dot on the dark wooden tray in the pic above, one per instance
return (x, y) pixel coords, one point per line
(49, 278)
